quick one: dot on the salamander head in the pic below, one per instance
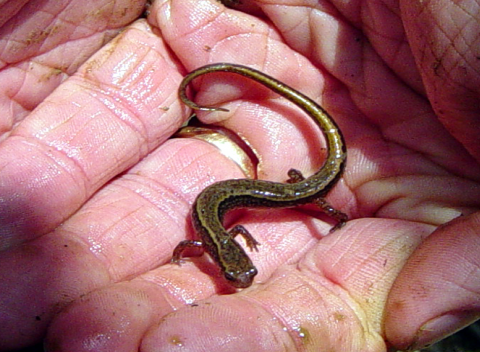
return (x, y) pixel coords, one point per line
(235, 264)
(241, 279)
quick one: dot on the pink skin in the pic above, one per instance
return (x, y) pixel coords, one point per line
(85, 254)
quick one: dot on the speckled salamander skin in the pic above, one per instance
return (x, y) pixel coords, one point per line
(216, 200)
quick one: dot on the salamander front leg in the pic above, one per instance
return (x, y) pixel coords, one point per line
(177, 252)
(240, 230)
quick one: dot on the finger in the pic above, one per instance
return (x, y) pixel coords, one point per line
(117, 317)
(348, 282)
(381, 84)
(127, 228)
(331, 300)
(194, 40)
(438, 290)
(398, 152)
(42, 263)
(249, 107)
(119, 106)
(45, 43)
(41, 273)
(443, 39)
(379, 28)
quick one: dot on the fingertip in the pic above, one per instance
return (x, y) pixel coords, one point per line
(224, 323)
(438, 290)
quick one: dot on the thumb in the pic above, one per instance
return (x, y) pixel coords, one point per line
(438, 290)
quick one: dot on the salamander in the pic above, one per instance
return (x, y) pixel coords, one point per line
(216, 200)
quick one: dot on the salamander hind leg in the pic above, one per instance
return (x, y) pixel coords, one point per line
(295, 176)
(331, 211)
(240, 230)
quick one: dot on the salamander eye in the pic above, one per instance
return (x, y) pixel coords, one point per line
(241, 279)
(230, 276)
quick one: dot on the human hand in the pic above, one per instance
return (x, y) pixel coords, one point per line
(339, 292)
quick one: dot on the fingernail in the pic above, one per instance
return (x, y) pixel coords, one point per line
(443, 326)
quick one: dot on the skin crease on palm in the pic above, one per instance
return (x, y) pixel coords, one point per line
(95, 196)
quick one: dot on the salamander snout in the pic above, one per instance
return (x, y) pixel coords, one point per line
(241, 279)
